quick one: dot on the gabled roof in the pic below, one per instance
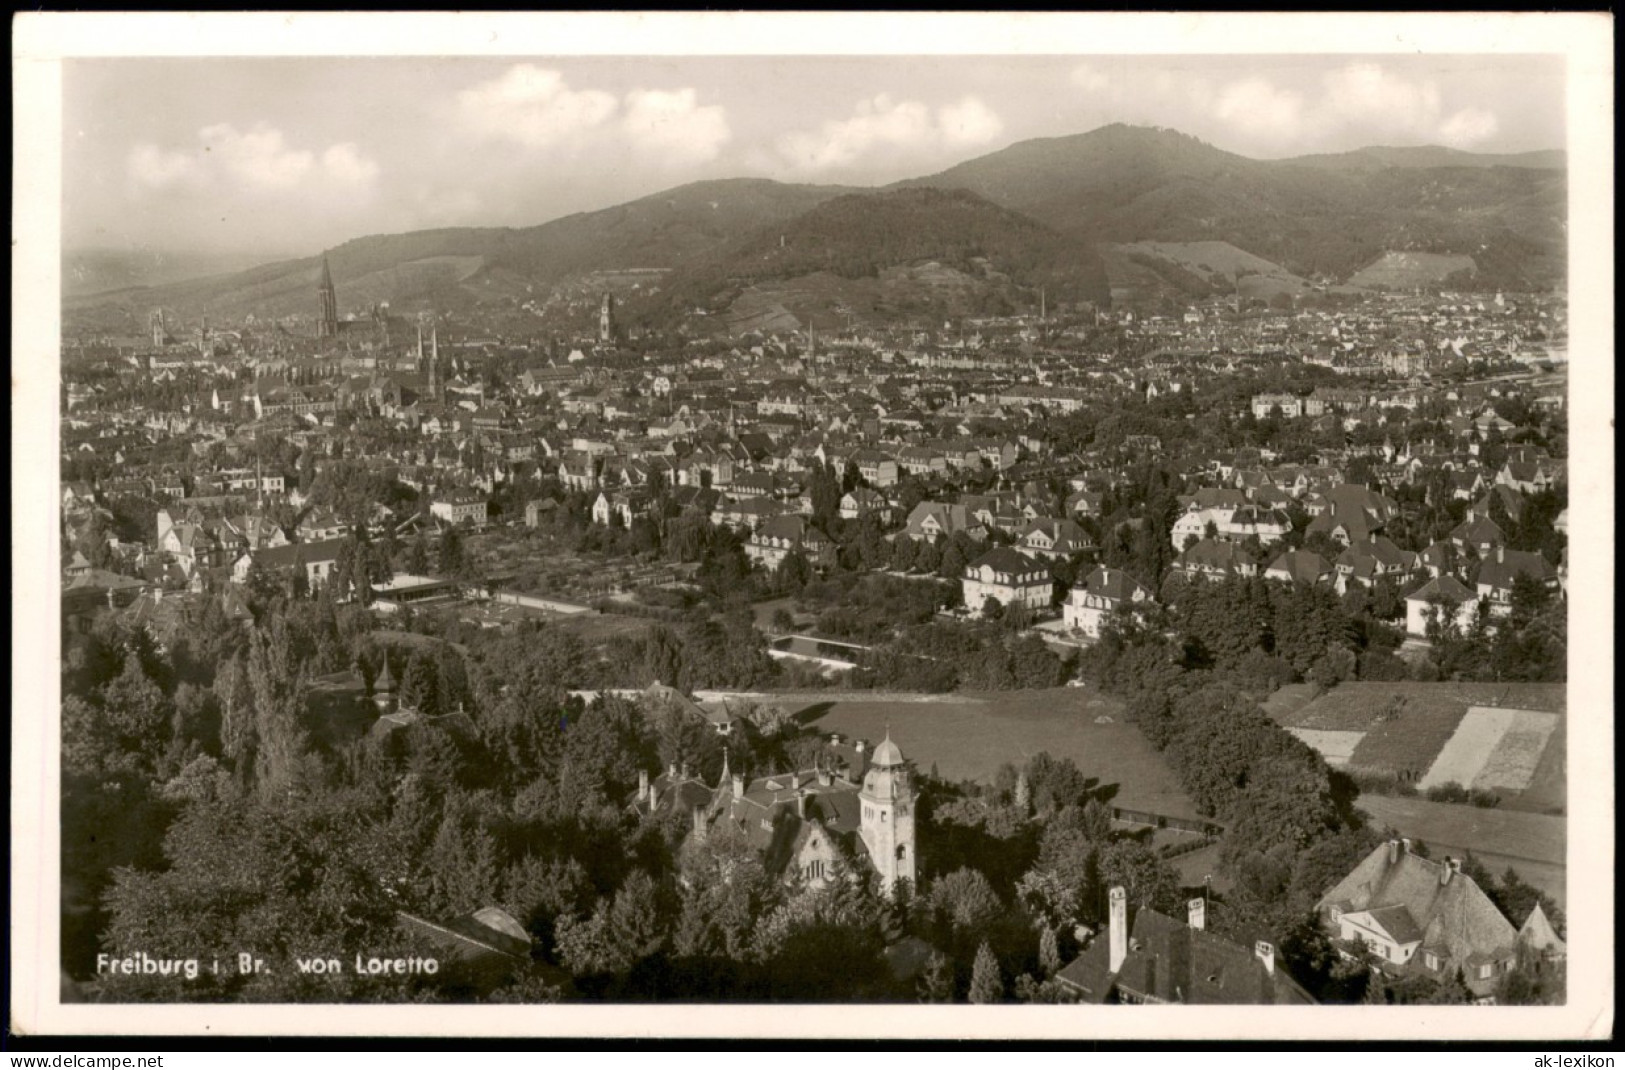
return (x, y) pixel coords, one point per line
(1114, 584)
(1003, 559)
(1504, 566)
(1458, 921)
(1173, 963)
(1300, 566)
(1445, 588)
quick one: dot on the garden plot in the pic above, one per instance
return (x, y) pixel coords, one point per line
(1511, 766)
(1336, 747)
(1475, 748)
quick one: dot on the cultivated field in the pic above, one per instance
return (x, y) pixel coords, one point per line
(968, 736)
(1506, 738)
(1402, 270)
(1533, 844)
(1468, 748)
(1336, 747)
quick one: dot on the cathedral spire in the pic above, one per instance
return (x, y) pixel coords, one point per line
(329, 327)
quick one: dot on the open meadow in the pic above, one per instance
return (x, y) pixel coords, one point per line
(968, 736)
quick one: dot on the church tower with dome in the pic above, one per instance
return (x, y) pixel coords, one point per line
(887, 826)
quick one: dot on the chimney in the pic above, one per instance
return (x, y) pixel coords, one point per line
(1450, 868)
(1197, 909)
(858, 746)
(824, 777)
(1406, 844)
(671, 771)
(643, 782)
(1265, 953)
(835, 739)
(1393, 852)
(1118, 935)
(739, 786)
(1500, 555)
(801, 805)
(795, 781)
(654, 797)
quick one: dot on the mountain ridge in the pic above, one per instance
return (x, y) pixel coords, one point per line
(1323, 217)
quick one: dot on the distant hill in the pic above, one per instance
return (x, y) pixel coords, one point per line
(1124, 184)
(1434, 156)
(91, 271)
(1129, 210)
(465, 265)
(914, 251)
(1141, 270)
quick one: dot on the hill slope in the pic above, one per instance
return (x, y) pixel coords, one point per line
(1327, 217)
(919, 251)
(461, 265)
(1153, 205)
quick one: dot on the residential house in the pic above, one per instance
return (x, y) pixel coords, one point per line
(1443, 596)
(316, 558)
(1213, 559)
(933, 521)
(920, 461)
(1414, 916)
(1498, 572)
(1008, 577)
(862, 501)
(1349, 513)
(1299, 566)
(1092, 603)
(1162, 960)
(459, 507)
(877, 469)
(1367, 562)
(781, 536)
(1479, 534)
(1528, 477)
(627, 505)
(1052, 538)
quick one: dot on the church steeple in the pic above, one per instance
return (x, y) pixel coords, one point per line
(434, 364)
(329, 327)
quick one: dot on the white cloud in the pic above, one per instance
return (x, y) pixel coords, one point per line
(155, 168)
(258, 159)
(257, 162)
(532, 106)
(675, 126)
(1090, 79)
(345, 164)
(1469, 126)
(535, 108)
(970, 122)
(1361, 103)
(1259, 107)
(885, 126)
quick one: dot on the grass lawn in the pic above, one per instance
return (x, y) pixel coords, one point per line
(1407, 725)
(596, 628)
(968, 736)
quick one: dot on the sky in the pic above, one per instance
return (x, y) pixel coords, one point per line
(289, 156)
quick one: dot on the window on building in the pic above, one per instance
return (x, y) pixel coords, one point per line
(1486, 970)
(1432, 961)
